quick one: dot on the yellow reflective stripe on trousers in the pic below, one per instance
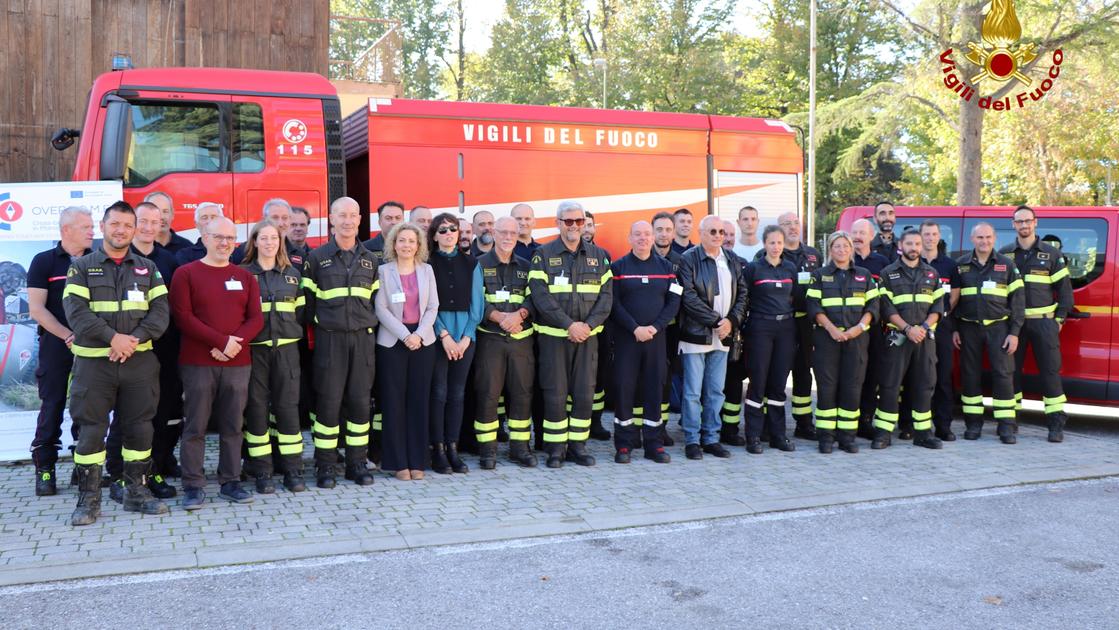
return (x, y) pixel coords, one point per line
(289, 443)
(96, 353)
(323, 429)
(1055, 404)
(130, 455)
(579, 429)
(89, 460)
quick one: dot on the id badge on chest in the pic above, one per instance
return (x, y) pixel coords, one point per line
(135, 295)
(501, 296)
(233, 285)
(562, 281)
(804, 276)
(398, 297)
(989, 284)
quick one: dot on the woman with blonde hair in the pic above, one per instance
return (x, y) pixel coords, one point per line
(407, 305)
(274, 384)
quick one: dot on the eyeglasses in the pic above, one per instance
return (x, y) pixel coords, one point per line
(223, 239)
(443, 229)
(715, 232)
(571, 222)
(787, 223)
(1024, 221)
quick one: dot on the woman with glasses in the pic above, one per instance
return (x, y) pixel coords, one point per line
(407, 304)
(274, 384)
(770, 336)
(458, 282)
(842, 303)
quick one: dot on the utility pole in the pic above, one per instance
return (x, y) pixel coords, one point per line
(811, 218)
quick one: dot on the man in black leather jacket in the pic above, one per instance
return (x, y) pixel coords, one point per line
(713, 306)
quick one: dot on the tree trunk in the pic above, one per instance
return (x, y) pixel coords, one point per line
(460, 78)
(969, 176)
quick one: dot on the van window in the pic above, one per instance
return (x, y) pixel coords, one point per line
(170, 138)
(949, 229)
(248, 138)
(1082, 241)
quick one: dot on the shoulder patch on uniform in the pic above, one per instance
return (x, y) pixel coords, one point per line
(811, 257)
(95, 271)
(930, 274)
(827, 278)
(964, 268)
(291, 280)
(141, 271)
(296, 259)
(1009, 255)
(1000, 267)
(555, 262)
(895, 276)
(489, 271)
(325, 262)
(366, 263)
(520, 274)
(860, 278)
(592, 262)
(72, 272)
(1043, 255)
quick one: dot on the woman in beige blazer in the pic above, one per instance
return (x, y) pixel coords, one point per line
(407, 303)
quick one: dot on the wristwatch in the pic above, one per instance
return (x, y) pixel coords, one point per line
(865, 327)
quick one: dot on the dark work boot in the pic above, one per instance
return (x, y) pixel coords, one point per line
(925, 439)
(293, 481)
(457, 464)
(972, 430)
(866, 429)
(324, 476)
(89, 495)
(826, 439)
(439, 463)
(502, 433)
(1007, 432)
(487, 455)
(45, 485)
(1057, 427)
(137, 496)
(577, 453)
(160, 488)
(847, 442)
(520, 454)
(116, 490)
(728, 434)
(622, 456)
(882, 438)
(356, 470)
(805, 430)
(555, 454)
(265, 485)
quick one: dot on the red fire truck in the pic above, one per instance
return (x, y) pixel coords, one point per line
(240, 137)
(1090, 358)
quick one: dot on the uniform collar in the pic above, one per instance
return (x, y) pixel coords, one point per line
(60, 251)
(102, 257)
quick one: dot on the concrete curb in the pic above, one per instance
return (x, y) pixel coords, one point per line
(240, 554)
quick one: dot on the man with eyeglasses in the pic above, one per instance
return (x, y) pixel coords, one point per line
(1048, 292)
(216, 305)
(713, 306)
(806, 259)
(572, 293)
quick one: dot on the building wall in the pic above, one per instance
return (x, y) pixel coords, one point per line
(51, 50)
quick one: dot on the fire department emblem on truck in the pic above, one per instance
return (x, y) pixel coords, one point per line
(1000, 58)
(295, 131)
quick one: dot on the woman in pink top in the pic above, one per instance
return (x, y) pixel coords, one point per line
(407, 304)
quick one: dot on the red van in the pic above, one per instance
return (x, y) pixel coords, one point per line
(1090, 357)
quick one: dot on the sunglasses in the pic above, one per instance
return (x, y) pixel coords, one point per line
(443, 229)
(571, 222)
(714, 232)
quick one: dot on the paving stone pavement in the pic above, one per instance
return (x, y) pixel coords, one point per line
(37, 543)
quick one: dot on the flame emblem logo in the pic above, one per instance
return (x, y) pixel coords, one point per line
(1001, 58)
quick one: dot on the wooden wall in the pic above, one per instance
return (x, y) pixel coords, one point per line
(51, 50)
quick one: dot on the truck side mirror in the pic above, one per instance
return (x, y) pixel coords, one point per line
(63, 138)
(115, 138)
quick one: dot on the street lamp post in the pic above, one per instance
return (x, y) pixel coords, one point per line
(600, 64)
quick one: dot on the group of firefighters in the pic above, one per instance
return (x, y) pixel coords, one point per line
(670, 324)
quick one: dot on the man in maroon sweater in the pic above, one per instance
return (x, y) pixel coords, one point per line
(216, 306)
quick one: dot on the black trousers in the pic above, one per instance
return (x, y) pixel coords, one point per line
(272, 410)
(640, 371)
(770, 346)
(344, 368)
(53, 378)
(405, 401)
(944, 393)
(868, 402)
(732, 395)
(448, 392)
(974, 339)
(306, 384)
(129, 390)
(912, 366)
(802, 372)
(567, 369)
(1043, 337)
(217, 393)
(604, 377)
(839, 368)
(504, 365)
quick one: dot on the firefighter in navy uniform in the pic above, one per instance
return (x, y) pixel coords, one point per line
(116, 304)
(944, 394)
(272, 411)
(505, 355)
(571, 290)
(989, 316)
(911, 306)
(646, 299)
(842, 302)
(339, 280)
(805, 259)
(1048, 300)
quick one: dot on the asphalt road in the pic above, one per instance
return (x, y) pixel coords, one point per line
(1028, 557)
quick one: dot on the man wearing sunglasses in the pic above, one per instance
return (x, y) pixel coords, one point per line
(572, 292)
